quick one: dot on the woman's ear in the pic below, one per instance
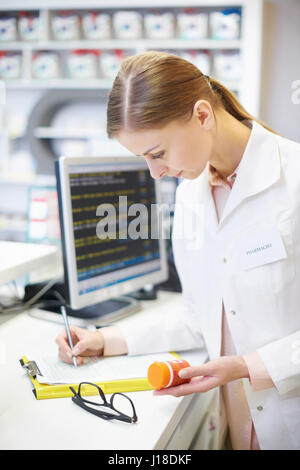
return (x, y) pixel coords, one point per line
(204, 114)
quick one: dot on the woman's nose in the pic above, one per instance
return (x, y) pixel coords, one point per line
(157, 168)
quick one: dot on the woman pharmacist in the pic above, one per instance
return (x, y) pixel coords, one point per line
(241, 278)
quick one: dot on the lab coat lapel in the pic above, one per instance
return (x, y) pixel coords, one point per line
(258, 169)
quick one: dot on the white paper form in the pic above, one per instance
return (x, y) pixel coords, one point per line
(54, 371)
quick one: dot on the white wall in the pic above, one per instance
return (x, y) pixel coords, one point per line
(281, 67)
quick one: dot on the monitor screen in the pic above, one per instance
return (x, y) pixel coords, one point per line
(110, 227)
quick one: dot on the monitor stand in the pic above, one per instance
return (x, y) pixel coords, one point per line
(97, 315)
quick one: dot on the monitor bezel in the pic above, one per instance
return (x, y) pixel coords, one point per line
(73, 298)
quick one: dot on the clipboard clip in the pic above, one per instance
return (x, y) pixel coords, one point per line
(30, 367)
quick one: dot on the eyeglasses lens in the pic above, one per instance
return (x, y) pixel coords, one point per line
(123, 404)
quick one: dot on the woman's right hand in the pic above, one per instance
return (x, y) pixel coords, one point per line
(85, 342)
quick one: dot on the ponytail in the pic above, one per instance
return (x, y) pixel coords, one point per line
(232, 105)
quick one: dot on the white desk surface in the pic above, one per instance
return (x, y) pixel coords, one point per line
(18, 259)
(27, 423)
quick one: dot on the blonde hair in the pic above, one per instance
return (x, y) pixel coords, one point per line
(154, 88)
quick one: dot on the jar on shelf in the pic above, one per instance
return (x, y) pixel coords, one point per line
(225, 24)
(8, 28)
(192, 24)
(96, 25)
(227, 65)
(83, 63)
(110, 62)
(28, 26)
(10, 65)
(159, 25)
(46, 65)
(201, 59)
(65, 26)
(128, 25)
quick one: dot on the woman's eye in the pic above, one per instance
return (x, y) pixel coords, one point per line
(157, 155)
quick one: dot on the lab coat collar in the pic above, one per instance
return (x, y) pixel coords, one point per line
(259, 168)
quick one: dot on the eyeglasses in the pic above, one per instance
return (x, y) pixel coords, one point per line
(119, 404)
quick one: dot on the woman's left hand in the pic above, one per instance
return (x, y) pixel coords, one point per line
(207, 376)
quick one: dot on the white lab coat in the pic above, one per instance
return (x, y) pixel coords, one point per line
(262, 304)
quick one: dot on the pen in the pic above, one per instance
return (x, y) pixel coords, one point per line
(64, 314)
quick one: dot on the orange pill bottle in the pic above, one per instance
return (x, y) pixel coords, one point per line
(165, 373)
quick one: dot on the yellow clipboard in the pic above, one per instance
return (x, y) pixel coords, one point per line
(46, 391)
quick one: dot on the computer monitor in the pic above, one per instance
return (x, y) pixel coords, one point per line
(110, 229)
